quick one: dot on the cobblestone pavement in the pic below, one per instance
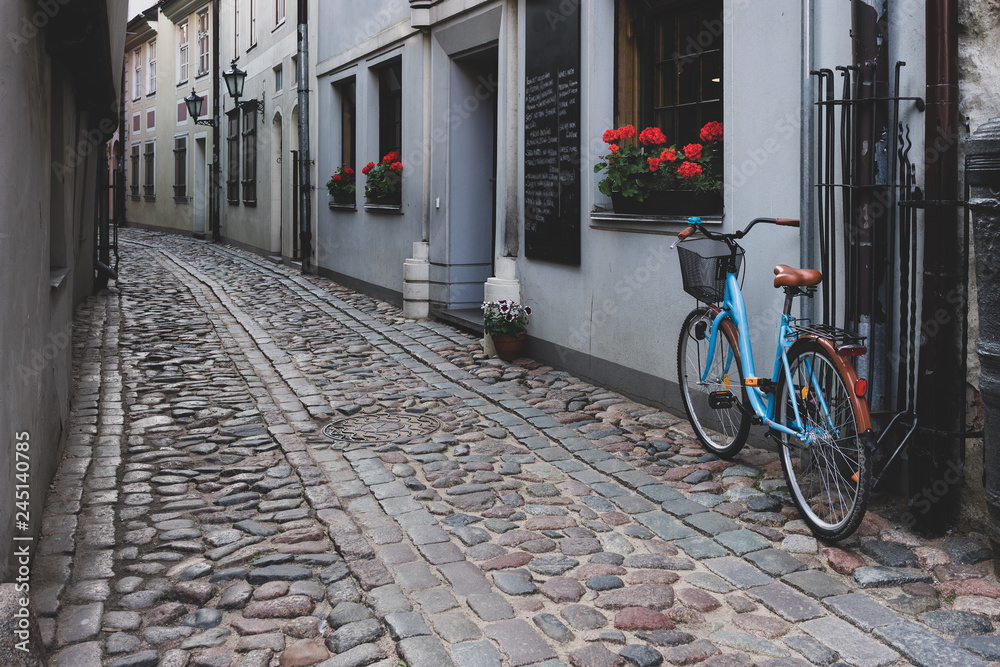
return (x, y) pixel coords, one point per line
(266, 468)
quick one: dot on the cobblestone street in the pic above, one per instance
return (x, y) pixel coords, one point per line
(266, 469)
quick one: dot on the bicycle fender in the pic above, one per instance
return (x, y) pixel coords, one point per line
(847, 370)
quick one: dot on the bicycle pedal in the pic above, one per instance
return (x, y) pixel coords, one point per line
(719, 400)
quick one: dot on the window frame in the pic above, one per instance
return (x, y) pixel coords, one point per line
(279, 78)
(233, 155)
(204, 43)
(151, 66)
(183, 53)
(180, 168)
(390, 108)
(347, 90)
(253, 25)
(279, 12)
(149, 169)
(635, 45)
(137, 80)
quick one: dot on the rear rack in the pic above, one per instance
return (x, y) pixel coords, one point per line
(832, 333)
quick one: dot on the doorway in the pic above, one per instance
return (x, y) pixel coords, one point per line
(472, 174)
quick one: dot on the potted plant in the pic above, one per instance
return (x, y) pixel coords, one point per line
(384, 186)
(649, 176)
(506, 322)
(342, 186)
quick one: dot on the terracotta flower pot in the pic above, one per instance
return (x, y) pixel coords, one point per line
(508, 346)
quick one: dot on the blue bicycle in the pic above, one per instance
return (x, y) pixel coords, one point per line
(812, 403)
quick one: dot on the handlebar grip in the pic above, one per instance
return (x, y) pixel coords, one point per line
(686, 233)
(787, 222)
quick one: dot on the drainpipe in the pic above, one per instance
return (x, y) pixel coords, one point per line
(425, 227)
(807, 195)
(216, 122)
(941, 389)
(305, 183)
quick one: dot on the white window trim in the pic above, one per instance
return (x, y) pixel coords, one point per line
(137, 71)
(151, 66)
(207, 34)
(278, 72)
(183, 52)
(279, 20)
(253, 24)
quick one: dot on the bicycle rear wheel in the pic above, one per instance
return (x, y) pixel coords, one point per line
(721, 430)
(829, 476)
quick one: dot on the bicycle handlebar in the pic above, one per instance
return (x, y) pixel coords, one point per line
(697, 226)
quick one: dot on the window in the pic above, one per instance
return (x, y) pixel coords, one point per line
(250, 155)
(180, 168)
(669, 66)
(136, 122)
(233, 149)
(348, 113)
(204, 53)
(279, 11)
(149, 186)
(182, 53)
(137, 79)
(295, 71)
(151, 59)
(390, 108)
(253, 23)
(151, 119)
(182, 111)
(134, 169)
(277, 78)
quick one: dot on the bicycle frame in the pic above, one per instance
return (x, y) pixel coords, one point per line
(734, 308)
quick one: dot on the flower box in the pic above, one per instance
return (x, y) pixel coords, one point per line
(670, 202)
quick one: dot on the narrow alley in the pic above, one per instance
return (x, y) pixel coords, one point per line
(266, 468)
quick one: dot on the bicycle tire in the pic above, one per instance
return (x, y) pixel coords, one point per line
(722, 431)
(829, 478)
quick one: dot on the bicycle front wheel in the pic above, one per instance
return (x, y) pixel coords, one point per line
(828, 475)
(722, 427)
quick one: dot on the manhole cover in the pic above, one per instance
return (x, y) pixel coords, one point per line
(380, 427)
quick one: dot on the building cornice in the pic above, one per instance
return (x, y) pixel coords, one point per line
(178, 10)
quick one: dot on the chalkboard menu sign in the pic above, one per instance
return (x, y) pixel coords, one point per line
(552, 131)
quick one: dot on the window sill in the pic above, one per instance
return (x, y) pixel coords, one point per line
(247, 202)
(149, 197)
(251, 47)
(201, 75)
(343, 207)
(608, 220)
(135, 197)
(152, 94)
(183, 83)
(386, 209)
(278, 25)
(233, 202)
(181, 200)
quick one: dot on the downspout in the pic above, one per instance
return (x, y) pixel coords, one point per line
(305, 183)
(807, 195)
(941, 389)
(425, 223)
(216, 122)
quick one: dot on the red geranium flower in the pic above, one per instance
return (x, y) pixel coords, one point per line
(610, 136)
(712, 131)
(652, 136)
(689, 170)
(614, 147)
(627, 132)
(368, 167)
(396, 166)
(668, 155)
(391, 157)
(336, 177)
(692, 151)
(654, 163)
(348, 171)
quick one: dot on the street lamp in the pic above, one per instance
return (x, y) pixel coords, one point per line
(235, 78)
(193, 102)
